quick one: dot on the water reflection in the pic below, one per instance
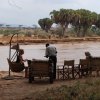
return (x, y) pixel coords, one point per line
(66, 51)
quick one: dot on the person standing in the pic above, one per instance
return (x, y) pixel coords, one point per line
(51, 53)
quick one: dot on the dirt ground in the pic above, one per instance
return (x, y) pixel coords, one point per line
(20, 89)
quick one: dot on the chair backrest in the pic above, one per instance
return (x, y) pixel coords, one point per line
(95, 63)
(40, 67)
(69, 62)
(84, 63)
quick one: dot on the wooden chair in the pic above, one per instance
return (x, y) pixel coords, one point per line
(60, 71)
(95, 65)
(40, 68)
(84, 67)
(66, 71)
(76, 71)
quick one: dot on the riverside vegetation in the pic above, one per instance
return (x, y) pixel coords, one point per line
(37, 35)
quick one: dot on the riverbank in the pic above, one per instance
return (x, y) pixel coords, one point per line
(29, 40)
(20, 89)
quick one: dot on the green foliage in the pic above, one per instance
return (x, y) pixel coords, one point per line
(7, 32)
(28, 34)
(62, 17)
(81, 19)
(45, 23)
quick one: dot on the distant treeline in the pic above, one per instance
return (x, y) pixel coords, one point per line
(82, 21)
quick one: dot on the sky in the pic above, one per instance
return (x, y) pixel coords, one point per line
(28, 12)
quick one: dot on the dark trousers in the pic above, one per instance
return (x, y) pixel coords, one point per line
(54, 60)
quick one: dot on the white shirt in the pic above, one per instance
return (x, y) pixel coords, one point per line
(51, 51)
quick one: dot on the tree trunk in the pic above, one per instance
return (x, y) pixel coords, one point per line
(78, 31)
(63, 31)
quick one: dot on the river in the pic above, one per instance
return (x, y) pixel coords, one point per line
(66, 51)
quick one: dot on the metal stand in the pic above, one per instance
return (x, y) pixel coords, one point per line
(9, 77)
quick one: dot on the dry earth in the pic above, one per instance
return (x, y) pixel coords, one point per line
(4, 40)
(20, 89)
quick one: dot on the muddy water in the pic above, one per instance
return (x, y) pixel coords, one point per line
(66, 51)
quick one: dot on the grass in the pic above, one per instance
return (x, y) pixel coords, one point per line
(87, 90)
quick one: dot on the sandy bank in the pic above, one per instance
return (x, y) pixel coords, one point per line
(30, 40)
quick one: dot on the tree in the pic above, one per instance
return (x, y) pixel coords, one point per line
(82, 21)
(98, 21)
(62, 17)
(45, 24)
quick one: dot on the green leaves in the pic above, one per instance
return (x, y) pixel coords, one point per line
(81, 19)
(45, 24)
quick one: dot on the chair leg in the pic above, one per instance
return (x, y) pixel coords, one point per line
(58, 73)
